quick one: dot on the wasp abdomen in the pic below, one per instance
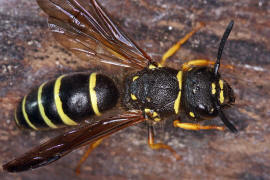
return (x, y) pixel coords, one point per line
(66, 100)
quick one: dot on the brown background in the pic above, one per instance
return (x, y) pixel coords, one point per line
(29, 55)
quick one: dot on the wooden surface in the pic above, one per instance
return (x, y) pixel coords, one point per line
(29, 56)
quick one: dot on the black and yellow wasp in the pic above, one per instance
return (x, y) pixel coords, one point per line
(150, 94)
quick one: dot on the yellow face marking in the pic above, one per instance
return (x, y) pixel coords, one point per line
(134, 78)
(221, 94)
(41, 109)
(151, 66)
(213, 88)
(221, 97)
(58, 103)
(178, 99)
(157, 119)
(26, 116)
(133, 97)
(220, 84)
(93, 94)
(192, 114)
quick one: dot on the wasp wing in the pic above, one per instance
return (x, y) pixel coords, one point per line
(86, 29)
(61, 145)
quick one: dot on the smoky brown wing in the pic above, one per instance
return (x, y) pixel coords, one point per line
(85, 28)
(63, 144)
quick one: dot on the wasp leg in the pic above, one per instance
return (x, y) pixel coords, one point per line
(201, 62)
(156, 146)
(193, 126)
(86, 154)
(196, 62)
(177, 46)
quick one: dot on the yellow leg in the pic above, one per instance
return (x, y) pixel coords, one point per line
(156, 146)
(196, 62)
(177, 46)
(191, 126)
(201, 62)
(86, 154)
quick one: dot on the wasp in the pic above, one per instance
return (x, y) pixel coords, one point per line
(151, 91)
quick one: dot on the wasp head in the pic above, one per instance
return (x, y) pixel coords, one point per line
(205, 93)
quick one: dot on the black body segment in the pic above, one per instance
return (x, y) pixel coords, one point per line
(75, 97)
(32, 110)
(19, 118)
(66, 101)
(155, 89)
(47, 96)
(106, 92)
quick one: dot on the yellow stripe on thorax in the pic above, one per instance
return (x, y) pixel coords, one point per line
(41, 109)
(154, 66)
(26, 116)
(58, 103)
(134, 78)
(133, 97)
(151, 66)
(93, 94)
(178, 99)
(192, 114)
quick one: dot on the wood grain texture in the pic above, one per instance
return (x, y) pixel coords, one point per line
(29, 56)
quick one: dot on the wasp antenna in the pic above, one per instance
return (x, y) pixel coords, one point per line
(227, 123)
(221, 45)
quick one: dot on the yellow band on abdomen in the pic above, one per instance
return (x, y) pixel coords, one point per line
(58, 103)
(93, 94)
(26, 116)
(41, 109)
